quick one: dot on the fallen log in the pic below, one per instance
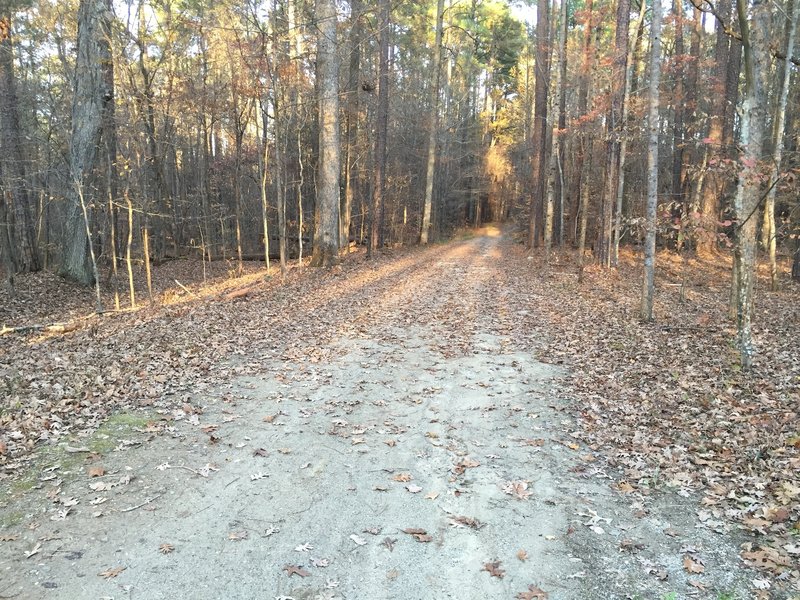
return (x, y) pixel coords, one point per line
(240, 293)
(53, 328)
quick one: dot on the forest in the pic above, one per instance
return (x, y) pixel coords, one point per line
(610, 186)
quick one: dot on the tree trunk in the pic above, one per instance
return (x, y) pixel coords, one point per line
(648, 286)
(679, 101)
(712, 185)
(623, 145)
(433, 126)
(587, 60)
(769, 230)
(755, 44)
(93, 49)
(12, 163)
(381, 129)
(539, 141)
(6, 249)
(326, 230)
(554, 212)
(615, 132)
(351, 125)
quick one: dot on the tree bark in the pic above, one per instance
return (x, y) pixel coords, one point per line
(351, 124)
(381, 129)
(712, 184)
(554, 213)
(623, 144)
(326, 231)
(433, 125)
(615, 131)
(12, 163)
(539, 141)
(93, 49)
(779, 122)
(755, 32)
(648, 285)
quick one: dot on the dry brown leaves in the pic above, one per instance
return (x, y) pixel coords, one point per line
(667, 404)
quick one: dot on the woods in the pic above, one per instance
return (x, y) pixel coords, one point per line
(135, 133)
(381, 268)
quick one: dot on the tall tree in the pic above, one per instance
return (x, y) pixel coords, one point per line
(755, 32)
(433, 124)
(615, 132)
(12, 162)
(711, 181)
(381, 128)
(539, 139)
(779, 122)
(351, 120)
(326, 231)
(89, 100)
(648, 286)
(554, 210)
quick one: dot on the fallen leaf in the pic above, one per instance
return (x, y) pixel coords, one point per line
(418, 534)
(260, 452)
(625, 487)
(692, 566)
(111, 573)
(696, 584)
(390, 443)
(304, 548)
(96, 471)
(518, 489)
(166, 548)
(296, 570)
(402, 477)
(414, 489)
(237, 536)
(522, 555)
(389, 543)
(358, 540)
(493, 568)
(462, 521)
(432, 496)
(533, 593)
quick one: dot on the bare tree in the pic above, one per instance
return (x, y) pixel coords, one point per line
(755, 33)
(326, 231)
(381, 129)
(648, 287)
(539, 140)
(88, 103)
(433, 125)
(12, 162)
(768, 230)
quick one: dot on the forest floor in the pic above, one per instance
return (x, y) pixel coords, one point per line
(458, 421)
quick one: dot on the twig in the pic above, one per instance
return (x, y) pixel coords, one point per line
(146, 502)
(185, 289)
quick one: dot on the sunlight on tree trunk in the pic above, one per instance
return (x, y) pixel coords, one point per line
(755, 43)
(769, 230)
(326, 230)
(648, 286)
(433, 125)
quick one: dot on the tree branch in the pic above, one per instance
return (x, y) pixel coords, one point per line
(707, 7)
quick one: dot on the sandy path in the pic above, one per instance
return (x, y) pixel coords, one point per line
(421, 407)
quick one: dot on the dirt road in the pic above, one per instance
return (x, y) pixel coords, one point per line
(405, 441)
